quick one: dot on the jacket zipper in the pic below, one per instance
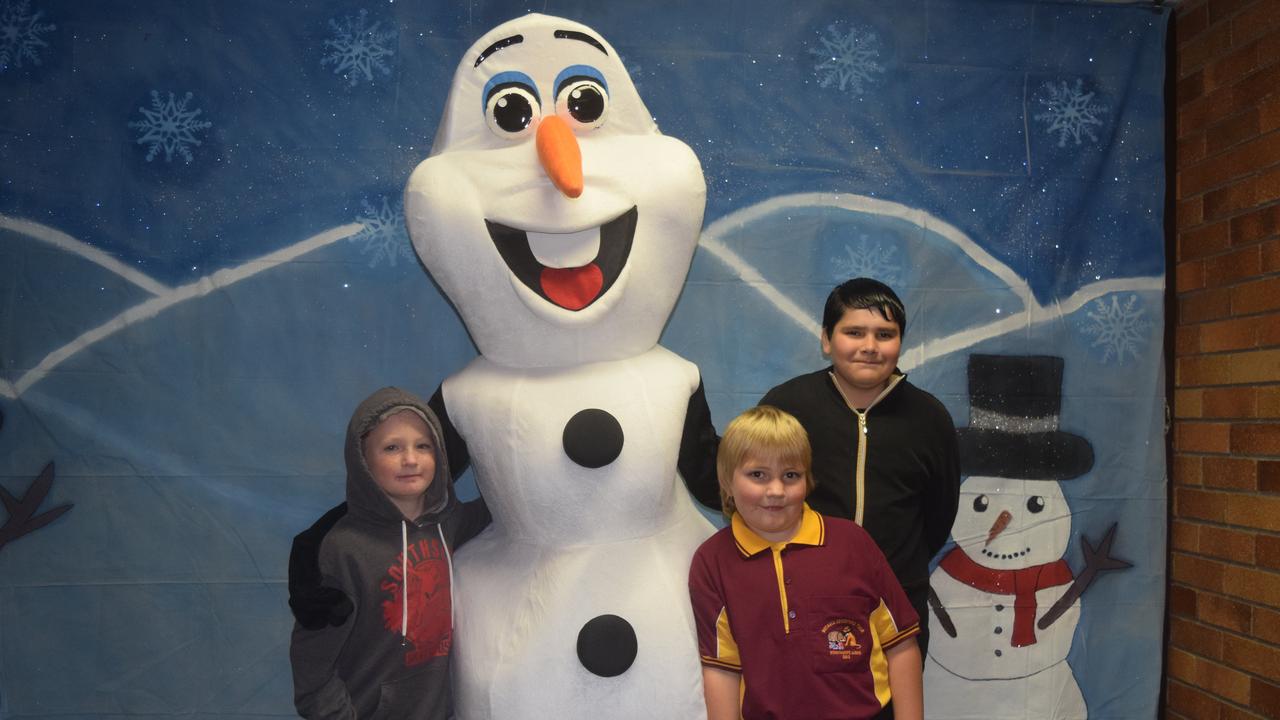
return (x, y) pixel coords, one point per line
(860, 469)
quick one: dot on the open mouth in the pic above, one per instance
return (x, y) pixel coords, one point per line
(574, 287)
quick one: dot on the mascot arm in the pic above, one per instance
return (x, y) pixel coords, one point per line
(698, 445)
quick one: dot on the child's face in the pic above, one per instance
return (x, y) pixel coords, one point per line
(769, 493)
(401, 455)
(864, 348)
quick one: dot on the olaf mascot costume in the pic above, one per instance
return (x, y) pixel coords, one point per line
(561, 224)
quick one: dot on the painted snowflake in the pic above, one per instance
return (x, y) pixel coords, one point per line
(1069, 111)
(20, 32)
(169, 126)
(848, 59)
(384, 234)
(867, 257)
(358, 48)
(1119, 328)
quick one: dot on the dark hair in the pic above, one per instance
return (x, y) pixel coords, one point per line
(863, 294)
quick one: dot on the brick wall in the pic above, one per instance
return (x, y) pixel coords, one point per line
(1223, 652)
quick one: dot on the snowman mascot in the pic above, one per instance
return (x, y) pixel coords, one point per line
(1004, 598)
(561, 225)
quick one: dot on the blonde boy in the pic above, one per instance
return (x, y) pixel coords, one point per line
(798, 615)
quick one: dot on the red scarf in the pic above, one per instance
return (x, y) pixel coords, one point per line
(1021, 584)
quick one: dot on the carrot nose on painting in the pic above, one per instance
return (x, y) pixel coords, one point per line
(560, 155)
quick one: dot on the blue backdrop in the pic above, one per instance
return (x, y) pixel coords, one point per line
(203, 267)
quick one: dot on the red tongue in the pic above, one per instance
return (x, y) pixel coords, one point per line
(572, 288)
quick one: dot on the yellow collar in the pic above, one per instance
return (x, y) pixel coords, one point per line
(811, 532)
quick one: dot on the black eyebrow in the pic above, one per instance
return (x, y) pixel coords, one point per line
(575, 35)
(504, 42)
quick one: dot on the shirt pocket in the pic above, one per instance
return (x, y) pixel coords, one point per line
(837, 633)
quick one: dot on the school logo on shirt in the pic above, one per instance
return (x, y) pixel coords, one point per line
(842, 638)
(429, 629)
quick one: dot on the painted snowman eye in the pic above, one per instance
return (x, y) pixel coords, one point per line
(511, 105)
(1035, 504)
(582, 97)
(981, 503)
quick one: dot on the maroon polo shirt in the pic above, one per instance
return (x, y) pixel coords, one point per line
(806, 622)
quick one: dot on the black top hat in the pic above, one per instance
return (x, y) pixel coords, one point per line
(1014, 403)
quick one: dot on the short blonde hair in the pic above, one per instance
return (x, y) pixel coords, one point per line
(761, 432)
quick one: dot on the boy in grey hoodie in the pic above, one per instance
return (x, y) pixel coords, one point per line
(389, 557)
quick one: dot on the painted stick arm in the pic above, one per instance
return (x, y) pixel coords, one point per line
(1096, 560)
(22, 513)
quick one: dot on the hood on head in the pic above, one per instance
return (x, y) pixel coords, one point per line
(364, 497)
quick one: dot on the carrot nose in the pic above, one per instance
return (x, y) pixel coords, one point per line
(560, 155)
(998, 526)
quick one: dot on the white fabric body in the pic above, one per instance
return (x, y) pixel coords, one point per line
(570, 543)
(1051, 694)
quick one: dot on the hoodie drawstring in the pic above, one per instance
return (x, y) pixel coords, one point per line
(448, 559)
(404, 579)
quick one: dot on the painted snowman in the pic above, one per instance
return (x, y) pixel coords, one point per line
(1005, 602)
(561, 224)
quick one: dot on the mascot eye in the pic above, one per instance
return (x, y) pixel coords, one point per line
(981, 503)
(583, 100)
(1035, 504)
(512, 110)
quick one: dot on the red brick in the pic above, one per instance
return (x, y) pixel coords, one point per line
(1256, 438)
(1191, 23)
(1268, 402)
(1227, 69)
(1190, 87)
(1202, 370)
(1264, 697)
(1261, 512)
(1199, 639)
(1269, 114)
(1224, 612)
(1207, 45)
(1237, 162)
(1203, 437)
(1257, 366)
(1237, 334)
(1190, 212)
(1269, 332)
(1236, 402)
(1227, 544)
(1230, 472)
(1181, 665)
(1200, 504)
(1225, 682)
(1230, 199)
(1204, 305)
(1257, 296)
(1197, 572)
(1192, 702)
(1188, 403)
(1190, 276)
(1232, 131)
(1250, 656)
(1258, 85)
(1269, 476)
(1255, 226)
(1267, 549)
(1259, 586)
(1266, 625)
(1204, 241)
(1183, 601)
(1269, 253)
(1234, 713)
(1186, 340)
(1232, 267)
(1253, 21)
(1186, 470)
(1184, 536)
(1204, 111)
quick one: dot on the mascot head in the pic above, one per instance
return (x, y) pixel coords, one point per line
(552, 212)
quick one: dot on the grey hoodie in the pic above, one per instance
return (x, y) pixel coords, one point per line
(390, 659)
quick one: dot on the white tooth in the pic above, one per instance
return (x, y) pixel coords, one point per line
(565, 250)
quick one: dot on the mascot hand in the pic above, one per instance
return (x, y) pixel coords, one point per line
(314, 605)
